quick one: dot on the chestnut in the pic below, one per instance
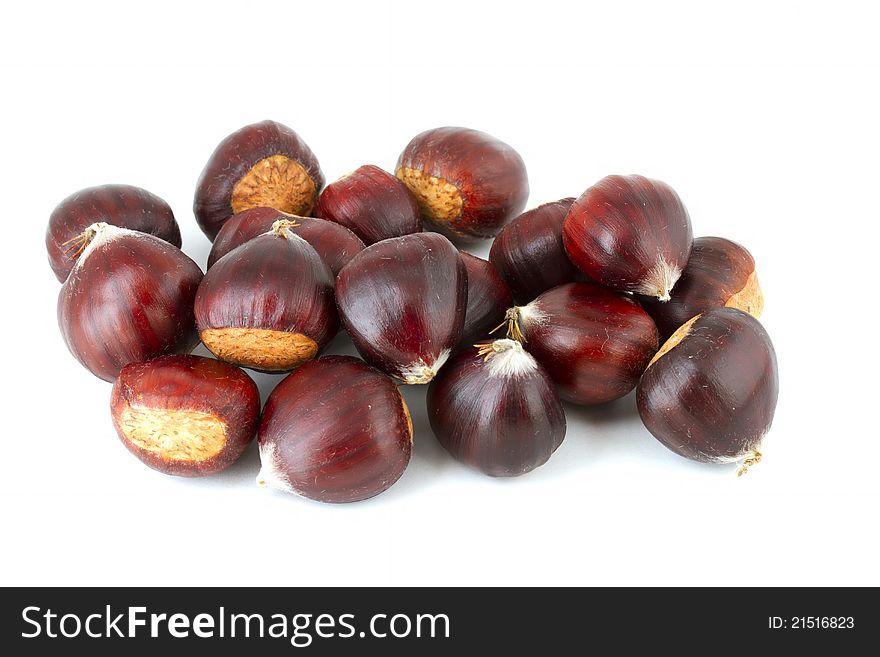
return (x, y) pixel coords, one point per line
(119, 205)
(630, 233)
(268, 304)
(336, 430)
(265, 164)
(719, 273)
(334, 243)
(494, 407)
(128, 298)
(488, 299)
(529, 254)
(403, 302)
(467, 183)
(710, 392)
(185, 415)
(594, 342)
(371, 203)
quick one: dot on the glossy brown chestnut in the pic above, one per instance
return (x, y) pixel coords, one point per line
(371, 203)
(268, 304)
(630, 233)
(128, 298)
(467, 183)
(493, 407)
(118, 205)
(594, 342)
(719, 273)
(529, 253)
(403, 303)
(262, 165)
(336, 430)
(487, 302)
(710, 392)
(334, 243)
(185, 415)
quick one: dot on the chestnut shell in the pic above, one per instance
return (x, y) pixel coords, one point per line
(119, 205)
(502, 423)
(719, 273)
(711, 392)
(334, 243)
(371, 203)
(630, 233)
(529, 253)
(233, 159)
(594, 342)
(336, 430)
(186, 383)
(129, 298)
(403, 302)
(489, 176)
(488, 299)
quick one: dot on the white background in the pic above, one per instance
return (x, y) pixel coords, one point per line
(763, 117)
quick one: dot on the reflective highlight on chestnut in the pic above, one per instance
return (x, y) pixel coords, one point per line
(265, 164)
(334, 243)
(630, 233)
(185, 415)
(403, 302)
(268, 304)
(529, 253)
(710, 395)
(488, 299)
(719, 273)
(118, 205)
(467, 183)
(371, 203)
(336, 430)
(594, 342)
(494, 408)
(129, 298)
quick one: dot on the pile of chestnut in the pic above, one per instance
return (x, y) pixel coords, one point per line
(581, 300)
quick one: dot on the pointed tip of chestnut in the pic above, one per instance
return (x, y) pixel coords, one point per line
(710, 393)
(372, 203)
(403, 302)
(495, 408)
(264, 164)
(185, 415)
(630, 233)
(719, 273)
(468, 184)
(124, 206)
(268, 304)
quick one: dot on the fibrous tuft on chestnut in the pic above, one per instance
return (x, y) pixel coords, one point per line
(265, 164)
(468, 184)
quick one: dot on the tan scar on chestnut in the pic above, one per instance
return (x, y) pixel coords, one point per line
(277, 182)
(264, 349)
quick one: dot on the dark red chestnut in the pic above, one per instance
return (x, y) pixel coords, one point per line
(268, 304)
(128, 298)
(719, 273)
(185, 415)
(594, 342)
(262, 165)
(467, 183)
(630, 233)
(118, 205)
(334, 243)
(336, 430)
(371, 203)
(487, 302)
(529, 253)
(493, 407)
(710, 392)
(403, 303)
